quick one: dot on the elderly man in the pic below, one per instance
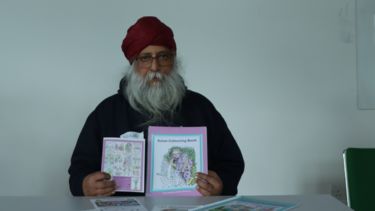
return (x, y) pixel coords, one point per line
(153, 93)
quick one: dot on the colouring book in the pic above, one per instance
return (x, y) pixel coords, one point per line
(123, 159)
(175, 155)
(245, 203)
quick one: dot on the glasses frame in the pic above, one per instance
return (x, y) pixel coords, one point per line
(158, 58)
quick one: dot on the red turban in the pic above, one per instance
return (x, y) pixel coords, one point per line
(147, 31)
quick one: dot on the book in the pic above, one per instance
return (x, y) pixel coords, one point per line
(179, 207)
(124, 160)
(175, 155)
(245, 203)
(117, 204)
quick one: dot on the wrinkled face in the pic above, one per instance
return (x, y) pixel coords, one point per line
(155, 59)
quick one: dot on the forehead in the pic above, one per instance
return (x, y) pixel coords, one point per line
(152, 49)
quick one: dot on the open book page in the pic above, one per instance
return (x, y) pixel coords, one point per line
(124, 160)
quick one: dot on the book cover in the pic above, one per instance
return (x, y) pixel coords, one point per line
(245, 203)
(117, 204)
(124, 160)
(175, 154)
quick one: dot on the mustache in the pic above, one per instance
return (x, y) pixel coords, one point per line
(152, 75)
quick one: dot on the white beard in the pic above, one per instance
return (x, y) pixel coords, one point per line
(157, 99)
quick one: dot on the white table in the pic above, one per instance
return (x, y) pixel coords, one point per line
(36, 203)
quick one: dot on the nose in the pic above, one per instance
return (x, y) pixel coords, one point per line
(154, 65)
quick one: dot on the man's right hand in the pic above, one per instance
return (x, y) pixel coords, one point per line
(98, 184)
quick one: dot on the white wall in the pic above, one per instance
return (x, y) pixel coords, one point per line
(282, 73)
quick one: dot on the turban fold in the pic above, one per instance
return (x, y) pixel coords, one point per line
(147, 31)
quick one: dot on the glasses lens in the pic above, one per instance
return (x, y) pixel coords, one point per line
(163, 59)
(145, 59)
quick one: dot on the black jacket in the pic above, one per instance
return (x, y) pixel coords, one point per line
(114, 116)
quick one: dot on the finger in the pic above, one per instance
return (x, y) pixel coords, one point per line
(211, 178)
(203, 191)
(214, 184)
(106, 191)
(202, 176)
(203, 184)
(97, 176)
(208, 178)
(201, 181)
(214, 179)
(105, 184)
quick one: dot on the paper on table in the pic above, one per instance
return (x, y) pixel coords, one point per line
(117, 204)
(173, 207)
(246, 203)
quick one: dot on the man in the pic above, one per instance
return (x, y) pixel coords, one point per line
(153, 93)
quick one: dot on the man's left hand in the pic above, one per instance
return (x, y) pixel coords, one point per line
(209, 184)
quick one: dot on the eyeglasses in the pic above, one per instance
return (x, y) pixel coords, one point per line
(163, 59)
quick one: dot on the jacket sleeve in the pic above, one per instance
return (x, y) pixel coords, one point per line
(227, 160)
(86, 156)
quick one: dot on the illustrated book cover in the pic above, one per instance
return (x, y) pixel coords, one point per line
(175, 155)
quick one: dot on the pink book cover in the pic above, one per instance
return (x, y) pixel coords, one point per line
(124, 160)
(175, 155)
